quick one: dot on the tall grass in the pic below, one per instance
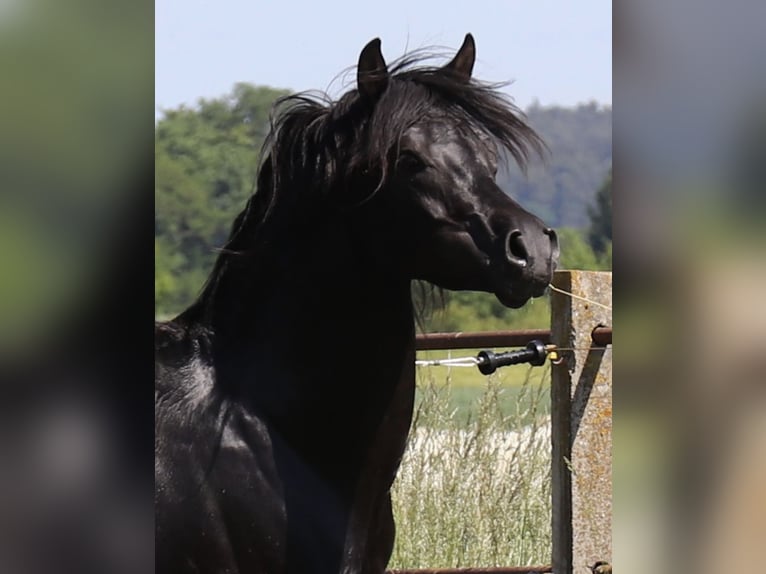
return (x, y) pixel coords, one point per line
(474, 485)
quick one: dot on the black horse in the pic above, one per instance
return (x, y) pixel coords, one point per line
(284, 394)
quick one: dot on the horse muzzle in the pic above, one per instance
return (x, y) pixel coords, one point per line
(527, 262)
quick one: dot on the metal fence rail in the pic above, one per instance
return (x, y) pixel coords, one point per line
(601, 336)
(491, 570)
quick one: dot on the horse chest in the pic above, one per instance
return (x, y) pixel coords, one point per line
(220, 504)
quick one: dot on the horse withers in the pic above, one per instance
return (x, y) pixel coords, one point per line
(284, 394)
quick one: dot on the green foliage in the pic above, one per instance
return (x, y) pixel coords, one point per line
(475, 311)
(576, 253)
(605, 259)
(205, 167)
(600, 231)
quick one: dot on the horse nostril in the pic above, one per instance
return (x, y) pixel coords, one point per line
(516, 251)
(554, 243)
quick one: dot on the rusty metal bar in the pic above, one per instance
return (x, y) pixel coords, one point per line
(601, 336)
(480, 339)
(497, 570)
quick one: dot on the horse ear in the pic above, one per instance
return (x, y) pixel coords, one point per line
(372, 72)
(462, 64)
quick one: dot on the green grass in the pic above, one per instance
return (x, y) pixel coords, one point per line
(466, 403)
(464, 387)
(474, 486)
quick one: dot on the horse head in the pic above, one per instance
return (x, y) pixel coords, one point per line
(437, 207)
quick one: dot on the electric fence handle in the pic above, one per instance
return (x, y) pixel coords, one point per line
(534, 353)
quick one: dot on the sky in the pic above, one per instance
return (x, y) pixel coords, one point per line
(554, 53)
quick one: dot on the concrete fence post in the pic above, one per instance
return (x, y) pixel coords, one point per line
(581, 418)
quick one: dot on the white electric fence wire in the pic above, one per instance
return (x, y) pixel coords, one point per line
(473, 361)
(455, 362)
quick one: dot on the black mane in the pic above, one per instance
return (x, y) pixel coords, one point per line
(317, 146)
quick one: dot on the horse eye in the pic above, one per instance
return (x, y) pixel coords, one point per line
(410, 161)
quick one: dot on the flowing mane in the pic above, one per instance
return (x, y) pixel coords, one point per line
(317, 146)
(327, 142)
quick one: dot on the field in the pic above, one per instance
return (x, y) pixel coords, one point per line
(474, 486)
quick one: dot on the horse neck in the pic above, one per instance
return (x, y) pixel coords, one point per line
(314, 327)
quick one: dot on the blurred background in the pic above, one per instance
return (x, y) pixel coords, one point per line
(689, 396)
(77, 85)
(76, 175)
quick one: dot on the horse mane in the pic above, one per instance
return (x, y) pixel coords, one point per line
(317, 147)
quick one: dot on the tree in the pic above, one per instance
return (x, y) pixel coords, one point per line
(206, 159)
(600, 214)
(576, 253)
(560, 189)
